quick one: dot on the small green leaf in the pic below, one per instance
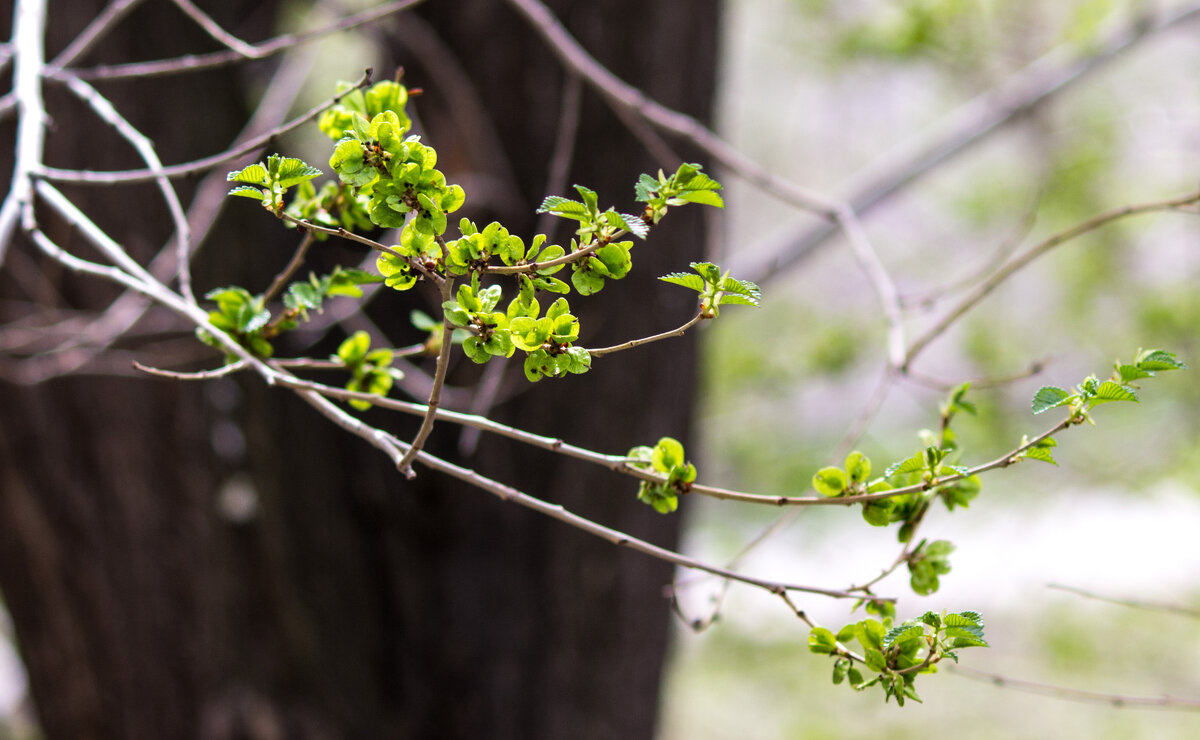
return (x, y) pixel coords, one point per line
(354, 348)
(686, 279)
(1156, 359)
(858, 467)
(830, 481)
(668, 453)
(1110, 391)
(821, 641)
(1048, 397)
(908, 465)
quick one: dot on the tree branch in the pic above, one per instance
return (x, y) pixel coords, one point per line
(1120, 701)
(90, 177)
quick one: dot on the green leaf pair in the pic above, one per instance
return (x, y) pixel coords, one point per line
(687, 185)
(1119, 387)
(666, 457)
(370, 370)
(267, 182)
(240, 315)
(715, 288)
(926, 563)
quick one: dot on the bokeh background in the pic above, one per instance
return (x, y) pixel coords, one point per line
(823, 91)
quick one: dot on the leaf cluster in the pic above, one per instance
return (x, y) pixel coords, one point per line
(667, 458)
(715, 288)
(370, 369)
(896, 655)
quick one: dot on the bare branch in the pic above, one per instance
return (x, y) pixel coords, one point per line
(193, 62)
(982, 290)
(104, 108)
(623, 95)
(677, 332)
(435, 394)
(508, 493)
(1120, 701)
(212, 28)
(29, 28)
(294, 264)
(1156, 606)
(219, 372)
(968, 126)
(90, 177)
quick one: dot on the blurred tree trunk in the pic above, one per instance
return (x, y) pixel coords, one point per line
(340, 600)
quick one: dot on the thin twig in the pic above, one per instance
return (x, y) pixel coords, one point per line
(559, 169)
(270, 47)
(219, 372)
(982, 290)
(555, 511)
(90, 177)
(290, 269)
(435, 394)
(677, 332)
(881, 282)
(104, 108)
(621, 94)
(29, 28)
(212, 28)
(1156, 606)
(107, 19)
(968, 126)
(1120, 701)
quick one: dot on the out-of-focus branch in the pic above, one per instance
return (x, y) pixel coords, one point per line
(192, 62)
(90, 177)
(967, 126)
(625, 98)
(29, 27)
(104, 108)
(212, 28)
(1120, 701)
(983, 289)
(1154, 606)
(620, 94)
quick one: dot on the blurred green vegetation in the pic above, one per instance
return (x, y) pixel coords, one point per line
(820, 89)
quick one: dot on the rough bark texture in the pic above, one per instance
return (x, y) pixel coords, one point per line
(353, 603)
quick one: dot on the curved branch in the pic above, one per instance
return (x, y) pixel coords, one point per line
(270, 47)
(90, 177)
(987, 286)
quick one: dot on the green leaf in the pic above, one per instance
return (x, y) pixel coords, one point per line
(634, 225)
(903, 633)
(870, 633)
(668, 453)
(1041, 451)
(291, 171)
(875, 660)
(1156, 359)
(686, 279)
(878, 513)
(1130, 373)
(908, 465)
(858, 467)
(565, 207)
(821, 641)
(830, 481)
(249, 191)
(354, 348)
(1110, 391)
(255, 174)
(1048, 397)
(704, 197)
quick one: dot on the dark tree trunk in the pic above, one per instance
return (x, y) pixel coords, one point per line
(159, 593)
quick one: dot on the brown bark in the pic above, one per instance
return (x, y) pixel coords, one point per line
(353, 603)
